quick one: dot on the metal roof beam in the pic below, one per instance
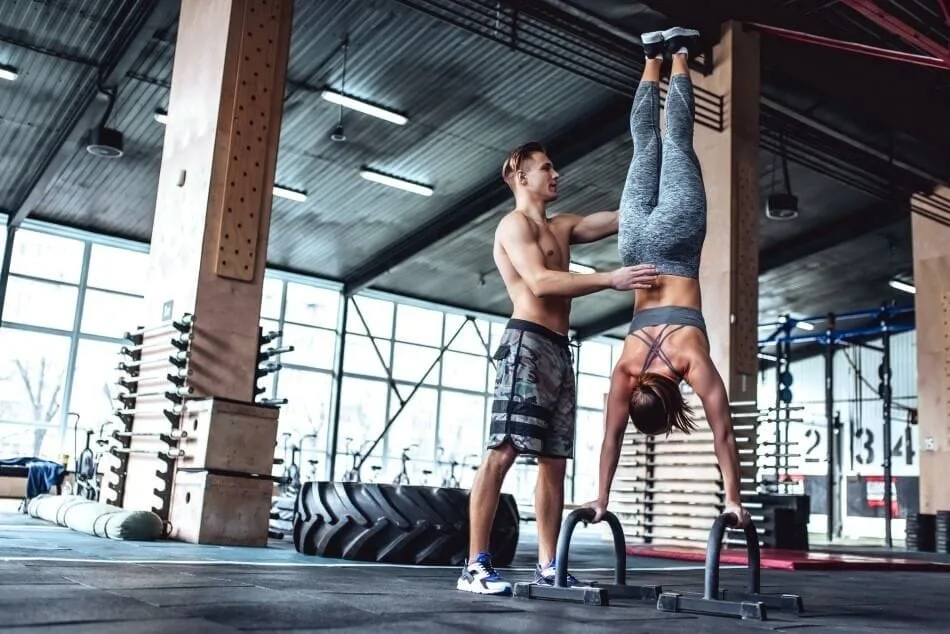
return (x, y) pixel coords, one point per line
(598, 129)
(94, 105)
(827, 236)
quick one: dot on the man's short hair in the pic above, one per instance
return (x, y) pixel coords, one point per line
(517, 157)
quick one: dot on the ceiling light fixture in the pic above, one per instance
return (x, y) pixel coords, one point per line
(398, 183)
(366, 108)
(903, 286)
(576, 267)
(9, 73)
(290, 194)
(160, 116)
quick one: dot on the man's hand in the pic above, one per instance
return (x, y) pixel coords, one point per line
(599, 509)
(632, 277)
(739, 512)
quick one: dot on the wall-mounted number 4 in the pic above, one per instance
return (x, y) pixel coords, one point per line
(898, 449)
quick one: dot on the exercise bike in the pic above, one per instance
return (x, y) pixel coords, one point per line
(403, 476)
(312, 477)
(450, 481)
(290, 482)
(88, 481)
(353, 475)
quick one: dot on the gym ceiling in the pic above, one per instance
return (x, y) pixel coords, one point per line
(852, 136)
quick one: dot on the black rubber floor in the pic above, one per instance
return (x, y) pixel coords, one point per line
(56, 580)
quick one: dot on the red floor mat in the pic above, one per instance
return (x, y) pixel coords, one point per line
(793, 559)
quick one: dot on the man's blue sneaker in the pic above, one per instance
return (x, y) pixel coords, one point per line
(480, 577)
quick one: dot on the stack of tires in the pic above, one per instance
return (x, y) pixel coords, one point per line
(396, 524)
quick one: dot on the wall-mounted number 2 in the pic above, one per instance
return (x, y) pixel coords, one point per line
(817, 434)
(868, 457)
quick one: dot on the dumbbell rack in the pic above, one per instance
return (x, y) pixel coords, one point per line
(153, 374)
(668, 489)
(781, 516)
(775, 457)
(266, 367)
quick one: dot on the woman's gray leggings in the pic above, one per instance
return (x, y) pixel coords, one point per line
(663, 206)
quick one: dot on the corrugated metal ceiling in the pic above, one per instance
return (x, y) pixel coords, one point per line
(469, 100)
(57, 48)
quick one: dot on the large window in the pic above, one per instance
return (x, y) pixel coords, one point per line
(362, 418)
(306, 314)
(441, 367)
(313, 347)
(116, 269)
(414, 364)
(377, 313)
(462, 426)
(413, 429)
(312, 306)
(110, 314)
(46, 256)
(306, 416)
(594, 364)
(69, 300)
(94, 388)
(33, 370)
(72, 297)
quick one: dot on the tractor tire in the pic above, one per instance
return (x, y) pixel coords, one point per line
(396, 524)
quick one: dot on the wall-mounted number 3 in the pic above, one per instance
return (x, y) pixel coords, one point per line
(868, 457)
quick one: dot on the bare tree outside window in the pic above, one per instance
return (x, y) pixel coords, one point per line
(43, 387)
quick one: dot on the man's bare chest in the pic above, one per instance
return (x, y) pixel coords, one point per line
(556, 255)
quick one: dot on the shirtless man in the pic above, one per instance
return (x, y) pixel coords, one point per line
(534, 403)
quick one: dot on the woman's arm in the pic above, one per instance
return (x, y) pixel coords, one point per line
(615, 425)
(708, 385)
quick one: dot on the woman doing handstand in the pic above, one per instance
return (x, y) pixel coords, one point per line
(663, 221)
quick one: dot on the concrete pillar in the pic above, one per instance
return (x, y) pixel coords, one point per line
(677, 474)
(208, 253)
(932, 308)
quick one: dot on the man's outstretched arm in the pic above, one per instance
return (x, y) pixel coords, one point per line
(516, 238)
(595, 226)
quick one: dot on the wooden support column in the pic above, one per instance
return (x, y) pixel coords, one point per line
(729, 269)
(932, 308)
(670, 486)
(208, 253)
(730, 260)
